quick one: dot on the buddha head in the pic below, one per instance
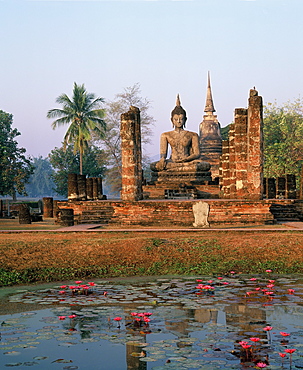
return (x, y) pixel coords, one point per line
(178, 115)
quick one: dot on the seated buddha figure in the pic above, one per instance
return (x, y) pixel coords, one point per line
(185, 152)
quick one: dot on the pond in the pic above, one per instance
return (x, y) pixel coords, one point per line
(229, 322)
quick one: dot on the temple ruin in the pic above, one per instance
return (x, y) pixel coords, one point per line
(227, 175)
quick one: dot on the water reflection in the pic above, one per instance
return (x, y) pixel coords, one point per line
(164, 324)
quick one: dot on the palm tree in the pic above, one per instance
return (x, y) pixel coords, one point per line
(84, 116)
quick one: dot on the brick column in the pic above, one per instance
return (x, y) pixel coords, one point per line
(255, 146)
(131, 155)
(225, 174)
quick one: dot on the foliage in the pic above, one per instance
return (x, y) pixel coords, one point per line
(111, 140)
(40, 182)
(224, 132)
(283, 138)
(84, 116)
(15, 168)
(64, 162)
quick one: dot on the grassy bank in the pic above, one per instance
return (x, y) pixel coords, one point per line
(54, 256)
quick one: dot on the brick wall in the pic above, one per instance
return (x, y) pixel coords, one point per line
(171, 212)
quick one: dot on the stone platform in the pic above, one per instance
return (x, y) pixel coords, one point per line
(177, 212)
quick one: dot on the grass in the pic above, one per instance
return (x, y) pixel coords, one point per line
(53, 256)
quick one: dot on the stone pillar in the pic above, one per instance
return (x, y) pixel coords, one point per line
(232, 164)
(24, 214)
(48, 207)
(291, 186)
(72, 187)
(89, 188)
(131, 155)
(55, 209)
(95, 188)
(281, 187)
(225, 176)
(270, 188)
(240, 158)
(81, 179)
(255, 146)
(100, 188)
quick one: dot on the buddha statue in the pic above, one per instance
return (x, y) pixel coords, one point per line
(184, 162)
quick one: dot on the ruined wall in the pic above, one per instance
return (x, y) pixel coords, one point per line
(242, 154)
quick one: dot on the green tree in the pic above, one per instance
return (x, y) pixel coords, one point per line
(111, 140)
(64, 161)
(15, 168)
(283, 138)
(84, 116)
(40, 183)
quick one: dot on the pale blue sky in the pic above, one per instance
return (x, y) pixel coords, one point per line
(167, 46)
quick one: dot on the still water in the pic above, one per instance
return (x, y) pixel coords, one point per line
(180, 323)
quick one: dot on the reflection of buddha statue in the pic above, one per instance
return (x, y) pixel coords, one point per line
(184, 146)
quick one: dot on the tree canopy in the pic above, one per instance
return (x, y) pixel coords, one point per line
(283, 138)
(111, 140)
(64, 162)
(15, 167)
(83, 114)
(40, 183)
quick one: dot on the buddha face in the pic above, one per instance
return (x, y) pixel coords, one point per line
(178, 120)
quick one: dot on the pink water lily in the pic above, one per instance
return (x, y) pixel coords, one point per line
(269, 270)
(284, 334)
(267, 328)
(261, 365)
(254, 339)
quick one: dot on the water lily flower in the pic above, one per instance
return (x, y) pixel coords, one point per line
(134, 313)
(282, 355)
(246, 346)
(268, 270)
(91, 283)
(291, 291)
(258, 288)
(232, 272)
(199, 280)
(63, 286)
(72, 316)
(267, 328)
(243, 342)
(269, 293)
(254, 339)
(210, 281)
(146, 319)
(253, 279)
(118, 318)
(261, 365)
(147, 313)
(78, 281)
(225, 282)
(288, 350)
(271, 281)
(220, 278)
(270, 286)
(61, 291)
(61, 317)
(284, 334)
(105, 293)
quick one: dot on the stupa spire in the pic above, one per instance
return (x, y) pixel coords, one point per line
(209, 105)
